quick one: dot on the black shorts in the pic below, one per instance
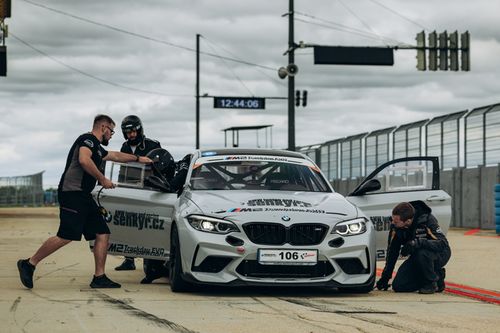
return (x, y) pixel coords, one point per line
(79, 214)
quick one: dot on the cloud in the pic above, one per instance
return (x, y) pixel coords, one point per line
(45, 105)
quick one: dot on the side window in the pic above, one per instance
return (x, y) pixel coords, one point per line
(405, 176)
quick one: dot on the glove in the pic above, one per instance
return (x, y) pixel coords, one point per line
(383, 284)
(412, 246)
(184, 163)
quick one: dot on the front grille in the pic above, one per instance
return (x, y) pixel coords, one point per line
(277, 234)
(252, 268)
(266, 233)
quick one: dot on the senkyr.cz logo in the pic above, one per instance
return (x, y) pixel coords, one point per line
(139, 221)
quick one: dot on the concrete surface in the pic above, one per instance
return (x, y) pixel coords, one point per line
(62, 301)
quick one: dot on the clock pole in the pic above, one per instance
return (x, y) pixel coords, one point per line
(197, 91)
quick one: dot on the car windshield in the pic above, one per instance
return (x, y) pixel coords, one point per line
(257, 175)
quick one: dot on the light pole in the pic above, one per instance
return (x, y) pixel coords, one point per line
(291, 79)
(198, 91)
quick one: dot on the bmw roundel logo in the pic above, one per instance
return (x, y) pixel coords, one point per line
(285, 218)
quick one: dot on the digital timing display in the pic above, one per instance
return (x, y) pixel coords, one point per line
(239, 103)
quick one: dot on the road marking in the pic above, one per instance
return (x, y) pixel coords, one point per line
(484, 295)
(472, 232)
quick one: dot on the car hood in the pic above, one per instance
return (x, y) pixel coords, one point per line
(274, 206)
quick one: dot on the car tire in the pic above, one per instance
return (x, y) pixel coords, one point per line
(177, 283)
(359, 290)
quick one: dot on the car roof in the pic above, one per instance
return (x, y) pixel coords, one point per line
(255, 151)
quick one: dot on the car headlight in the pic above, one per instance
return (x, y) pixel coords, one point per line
(351, 227)
(211, 224)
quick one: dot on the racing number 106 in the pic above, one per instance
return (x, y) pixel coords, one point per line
(289, 255)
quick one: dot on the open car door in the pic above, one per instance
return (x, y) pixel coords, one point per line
(404, 179)
(140, 215)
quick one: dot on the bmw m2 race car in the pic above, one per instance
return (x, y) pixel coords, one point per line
(266, 217)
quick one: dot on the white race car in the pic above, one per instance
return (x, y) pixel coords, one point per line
(268, 217)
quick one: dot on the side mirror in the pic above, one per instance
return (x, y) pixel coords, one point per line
(157, 182)
(369, 186)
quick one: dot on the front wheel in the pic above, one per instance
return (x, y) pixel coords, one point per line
(177, 283)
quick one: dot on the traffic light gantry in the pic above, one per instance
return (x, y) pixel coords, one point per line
(443, 51)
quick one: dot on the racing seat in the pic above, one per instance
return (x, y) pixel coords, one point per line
(276, 181)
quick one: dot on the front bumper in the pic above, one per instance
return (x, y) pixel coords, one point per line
(210, 259)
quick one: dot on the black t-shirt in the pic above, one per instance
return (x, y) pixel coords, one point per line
(142, 149)
(74, 177)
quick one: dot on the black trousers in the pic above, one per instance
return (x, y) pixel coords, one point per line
(421, 268)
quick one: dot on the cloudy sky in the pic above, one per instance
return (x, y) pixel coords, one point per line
(70, 60)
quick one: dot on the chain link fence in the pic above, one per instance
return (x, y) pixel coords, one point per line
(22, 190)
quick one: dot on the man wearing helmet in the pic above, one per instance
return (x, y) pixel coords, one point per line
(79, 213)
(135, 143)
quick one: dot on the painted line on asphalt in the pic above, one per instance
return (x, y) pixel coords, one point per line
(484, 295)
(472, 232)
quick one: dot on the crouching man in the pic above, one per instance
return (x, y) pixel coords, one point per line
(415, 232)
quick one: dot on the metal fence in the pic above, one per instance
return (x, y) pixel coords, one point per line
(469, 138)
(22, 190)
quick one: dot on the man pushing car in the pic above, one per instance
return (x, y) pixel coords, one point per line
(78, 212)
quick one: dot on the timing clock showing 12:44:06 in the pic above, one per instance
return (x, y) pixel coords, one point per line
(239, 103)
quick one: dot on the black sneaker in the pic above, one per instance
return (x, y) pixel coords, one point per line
(146, 280)
(103, 282)
(429, 288)
(126, 265)
(441, 286)
(26, 271)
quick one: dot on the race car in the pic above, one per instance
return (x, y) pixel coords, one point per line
(266, 217)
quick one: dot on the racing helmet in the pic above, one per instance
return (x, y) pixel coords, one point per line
(133, 123)
(163, 163)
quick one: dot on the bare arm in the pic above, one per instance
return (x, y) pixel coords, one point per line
(117, 156)
(85, 160)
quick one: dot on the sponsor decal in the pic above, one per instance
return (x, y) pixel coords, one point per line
(89, 143)
(255, 158)
(316, 211)
(381, 223)
(270, 209)
(307, 255)
(136, 250)
(208, 153)
(138, 221)
(278, 202)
